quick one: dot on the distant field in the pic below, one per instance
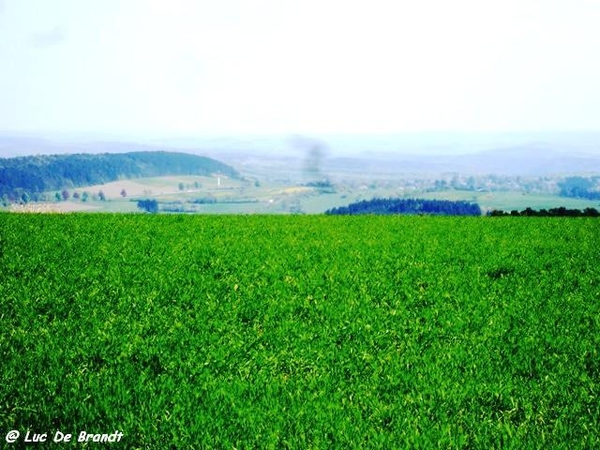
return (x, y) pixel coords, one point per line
(231, 196)
(302, 331)
(158, 186)
(266, 195)
(508, 201)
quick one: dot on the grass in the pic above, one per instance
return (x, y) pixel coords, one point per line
(302, 332)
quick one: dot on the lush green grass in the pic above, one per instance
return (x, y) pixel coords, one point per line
(302, 331)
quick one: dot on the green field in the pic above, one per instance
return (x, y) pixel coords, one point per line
(301, 331)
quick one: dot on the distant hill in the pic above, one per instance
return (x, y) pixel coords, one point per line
(530, 160)
(36, 174)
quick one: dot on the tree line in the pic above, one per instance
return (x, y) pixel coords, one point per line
(409, 206)
(552, 212)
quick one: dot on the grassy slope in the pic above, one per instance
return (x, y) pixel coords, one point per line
(254, 331)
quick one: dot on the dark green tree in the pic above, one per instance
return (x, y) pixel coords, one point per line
(150, 206)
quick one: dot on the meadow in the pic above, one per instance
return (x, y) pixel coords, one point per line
(192, 331)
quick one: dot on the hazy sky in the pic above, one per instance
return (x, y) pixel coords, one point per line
(299, 66)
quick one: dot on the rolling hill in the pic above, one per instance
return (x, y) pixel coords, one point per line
(41, 173)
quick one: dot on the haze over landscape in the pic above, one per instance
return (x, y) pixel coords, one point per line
(142, 70)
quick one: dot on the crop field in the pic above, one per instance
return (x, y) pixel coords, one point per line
(222, 331)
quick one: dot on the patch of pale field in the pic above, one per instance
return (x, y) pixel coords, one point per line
(158, 186)
(62, 207)
(113, 189)
(297, 190)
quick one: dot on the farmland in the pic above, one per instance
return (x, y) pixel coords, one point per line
(265, 195)
(302, 331)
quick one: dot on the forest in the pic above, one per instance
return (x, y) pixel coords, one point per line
(29, 176)
(409, 206)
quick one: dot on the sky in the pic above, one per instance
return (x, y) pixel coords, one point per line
(205, 67)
